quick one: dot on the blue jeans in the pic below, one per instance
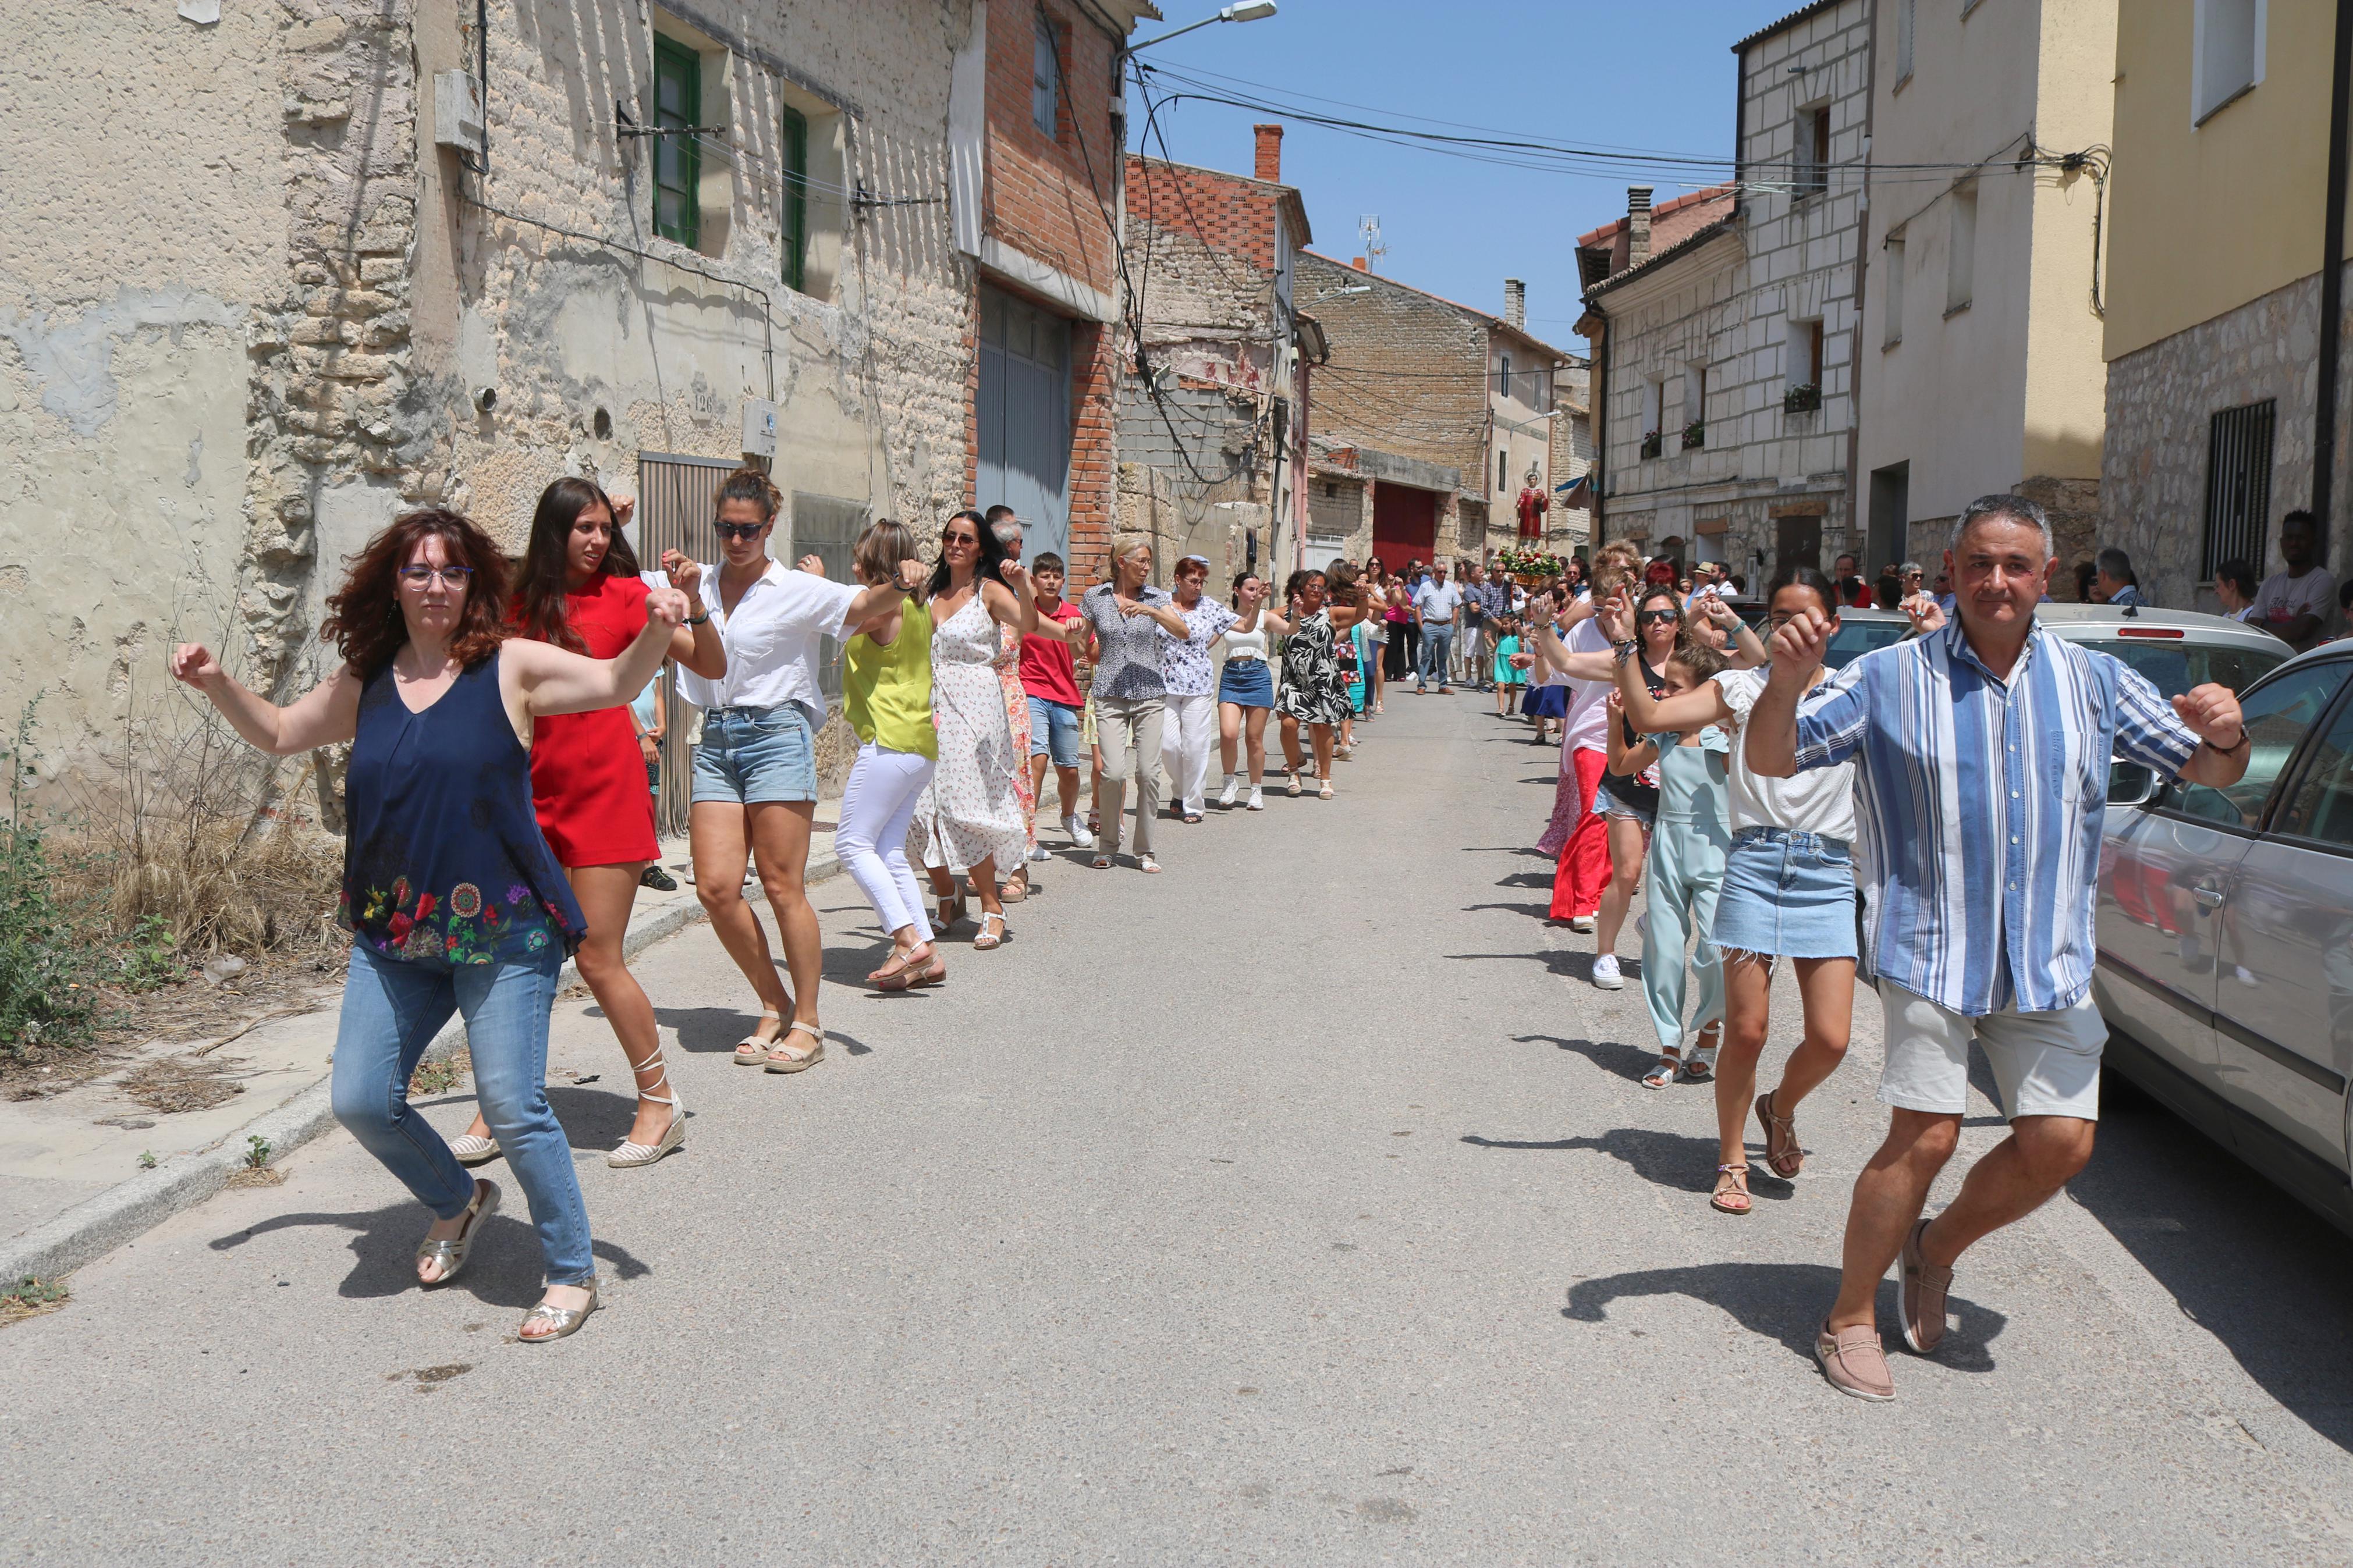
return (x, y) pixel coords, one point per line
(1437, 645)
(392, 1010)
(749, 757)
(1054, 732)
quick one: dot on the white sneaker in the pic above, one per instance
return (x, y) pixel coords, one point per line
(1605, 972)
(1257, 801)
(1039, 852)
(1581, 923)
(1225, 795)
(1077, 832)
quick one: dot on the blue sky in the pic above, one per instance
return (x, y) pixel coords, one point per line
(1652, 78)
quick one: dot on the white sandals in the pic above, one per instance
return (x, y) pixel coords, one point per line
(752, 1050)
(786, 1057)
(629, 1156)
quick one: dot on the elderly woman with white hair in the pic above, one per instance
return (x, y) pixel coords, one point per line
(1189, 720)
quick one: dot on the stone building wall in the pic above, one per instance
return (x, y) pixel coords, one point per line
(2160, 401)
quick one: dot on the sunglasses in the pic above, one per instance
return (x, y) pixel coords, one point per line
(1647, 616)
(740, 529)
(420, 576)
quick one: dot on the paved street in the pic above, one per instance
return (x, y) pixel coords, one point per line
(1298, 1204)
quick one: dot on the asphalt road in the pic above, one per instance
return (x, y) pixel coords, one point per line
(1297, 1205)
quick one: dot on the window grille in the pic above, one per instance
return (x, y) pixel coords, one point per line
(2238, 486)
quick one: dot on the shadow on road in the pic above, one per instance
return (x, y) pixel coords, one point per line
(1615, 1056)
(1527, 880)
(504, 1268)
(1672, 1160)
(1537, 910)
(2253, 1267)
(1529, 850)
(1783, 1302)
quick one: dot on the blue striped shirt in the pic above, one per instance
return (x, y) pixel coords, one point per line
(1977, 808)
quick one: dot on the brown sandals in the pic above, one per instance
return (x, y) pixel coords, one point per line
(1783, 1157)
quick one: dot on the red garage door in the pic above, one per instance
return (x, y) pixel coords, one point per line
(1405, 524)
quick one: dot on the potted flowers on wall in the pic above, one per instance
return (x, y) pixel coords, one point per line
(1802, 398)
(1654, 443)
(1694, 434)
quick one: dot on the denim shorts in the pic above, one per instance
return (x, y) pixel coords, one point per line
(750, 756)
(1608, 805)
(1246, 683)
(1054, 732)
(1786, 895)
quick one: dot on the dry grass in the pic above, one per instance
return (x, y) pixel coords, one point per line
(31, 1298)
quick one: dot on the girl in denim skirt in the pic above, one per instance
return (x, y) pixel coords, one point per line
(1789, 893)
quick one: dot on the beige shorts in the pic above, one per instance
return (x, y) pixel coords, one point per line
(2044, 1064)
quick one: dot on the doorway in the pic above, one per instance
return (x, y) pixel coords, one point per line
(1023, 410)
(1405, 524)
(1891, 518)
(1797, 542)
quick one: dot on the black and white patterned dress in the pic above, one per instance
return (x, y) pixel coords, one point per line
(1313, 692)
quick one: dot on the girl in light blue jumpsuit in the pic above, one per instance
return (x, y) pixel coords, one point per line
(1689, 842)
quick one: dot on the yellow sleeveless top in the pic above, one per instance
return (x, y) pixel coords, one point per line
(886, 693)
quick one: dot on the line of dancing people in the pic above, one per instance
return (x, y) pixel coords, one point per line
(500, 786)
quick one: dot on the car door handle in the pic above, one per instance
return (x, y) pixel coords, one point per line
(2209, 897)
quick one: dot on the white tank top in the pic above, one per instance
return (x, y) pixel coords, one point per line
(1251, 643)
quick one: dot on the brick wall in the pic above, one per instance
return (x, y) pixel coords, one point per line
(1048, 197)
(1408, 374)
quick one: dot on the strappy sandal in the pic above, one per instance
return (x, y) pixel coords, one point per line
(1780, 1139)
(900, 971)
(786, 1057)
(1102, 861)
(561, 1320)
(987, 942)
(1699, 1064)
(1147, 864)
(753, 1049)
(1296, 787)
(631, 1155)
(451, 1254)
(951, 912)
(1015, 889)
(1731, 1182)
(1326, 793)
(1665, 1073)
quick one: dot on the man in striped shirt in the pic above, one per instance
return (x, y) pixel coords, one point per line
(1981, 754)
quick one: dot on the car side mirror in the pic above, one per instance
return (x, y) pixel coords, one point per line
(2130, 783)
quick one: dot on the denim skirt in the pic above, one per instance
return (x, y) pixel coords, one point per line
(1246, 683)
(1786, 895)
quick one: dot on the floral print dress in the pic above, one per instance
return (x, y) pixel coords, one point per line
(1312, 690)
(1017, 717)
(971, 811)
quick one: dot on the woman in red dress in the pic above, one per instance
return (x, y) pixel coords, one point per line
(580, 590)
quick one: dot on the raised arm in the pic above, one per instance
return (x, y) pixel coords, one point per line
(542, 680)
(327, 714)
(1014, 606)
(880, 598)
(1626, 761)
(1770, 736)
(696, 645)
(1687, 710)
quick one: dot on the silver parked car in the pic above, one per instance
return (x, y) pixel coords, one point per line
(2225, 927)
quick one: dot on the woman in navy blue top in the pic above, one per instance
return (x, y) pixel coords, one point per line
(454, 900)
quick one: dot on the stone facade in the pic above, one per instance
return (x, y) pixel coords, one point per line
(1210, 255)
(2161, 399)
(1742, 320)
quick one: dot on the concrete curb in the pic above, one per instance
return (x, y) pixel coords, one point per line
(96, 1227)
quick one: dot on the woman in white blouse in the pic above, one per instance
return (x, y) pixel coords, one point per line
(756, 767)
(1190, 706)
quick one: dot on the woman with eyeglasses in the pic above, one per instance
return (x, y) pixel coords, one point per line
(755, 771)
(1191, 703)
(581, 591)
(969, 821)
(1126, 617)
(455, 902)
(1789, 893)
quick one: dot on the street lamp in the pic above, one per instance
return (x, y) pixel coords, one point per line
(1240, 10)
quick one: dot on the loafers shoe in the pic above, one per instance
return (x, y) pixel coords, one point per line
(1925, 1287)
(1851, 1359)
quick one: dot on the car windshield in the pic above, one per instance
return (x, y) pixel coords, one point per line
(1854, 638)
(2173, 667)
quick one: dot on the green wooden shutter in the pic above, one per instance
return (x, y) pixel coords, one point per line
(677, 158)
(796, 216)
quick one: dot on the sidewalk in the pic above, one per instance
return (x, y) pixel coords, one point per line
(71, 1187)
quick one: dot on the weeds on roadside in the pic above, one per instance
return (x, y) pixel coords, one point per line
(257, 1152)
(46, 970)
(440, 1077)
(30, 1297)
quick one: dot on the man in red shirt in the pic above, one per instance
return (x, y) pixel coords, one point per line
(1049, 680)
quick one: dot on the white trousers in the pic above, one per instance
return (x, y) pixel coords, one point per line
(1187, 729)
(876, 805)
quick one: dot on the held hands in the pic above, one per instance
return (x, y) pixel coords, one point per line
(1015, 575)
(2213, 711)
(624, 509)
(911, 573)
(812, 565)
(1798, 646)
(665, 607)
(1618, 615)
(192, 664)
(1927, 615)
(649, 747)
(685, 576)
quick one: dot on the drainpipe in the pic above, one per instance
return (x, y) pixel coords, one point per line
(2332, 279)
(1597, 416)
(1855, 335)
